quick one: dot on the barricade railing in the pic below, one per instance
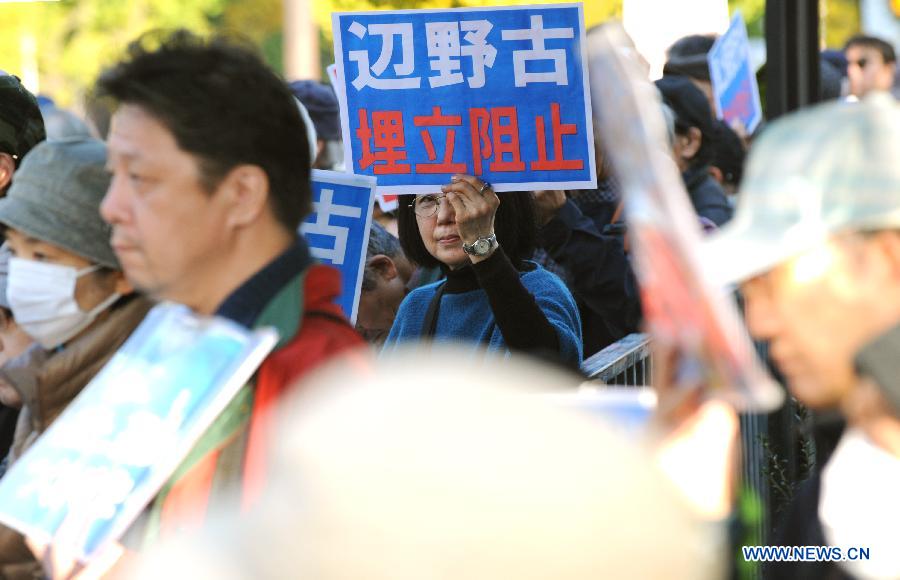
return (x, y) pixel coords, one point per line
(625, 362)
(628, 362)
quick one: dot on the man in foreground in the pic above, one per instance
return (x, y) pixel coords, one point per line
(210, 179)
(815, 245)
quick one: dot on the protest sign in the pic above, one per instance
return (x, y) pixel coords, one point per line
(338, 229)
(388, 202)
(733, 78)
(682, 309)
(101, 462)
(500, 93)
(335, 84)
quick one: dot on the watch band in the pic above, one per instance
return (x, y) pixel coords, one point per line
(489, 244)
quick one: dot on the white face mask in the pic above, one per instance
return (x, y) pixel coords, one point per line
(42, 299)
(858, 505)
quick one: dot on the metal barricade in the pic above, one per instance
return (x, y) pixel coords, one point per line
(628, 363)
(623, 363)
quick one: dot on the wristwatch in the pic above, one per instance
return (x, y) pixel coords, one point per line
(481, 246)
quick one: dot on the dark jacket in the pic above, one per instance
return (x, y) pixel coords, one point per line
(707, 195)
(598, 271)
(800, 525)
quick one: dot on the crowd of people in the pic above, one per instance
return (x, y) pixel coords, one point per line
(193, 192)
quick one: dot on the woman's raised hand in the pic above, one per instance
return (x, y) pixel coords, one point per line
(475, 204)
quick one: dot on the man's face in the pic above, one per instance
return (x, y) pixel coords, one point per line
(378, 306)
(817, 310)
(867, 71)
(167, 229)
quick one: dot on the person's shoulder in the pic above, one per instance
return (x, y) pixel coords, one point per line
(423, 292)
(709, 201)
(322, 335)
(542, 282)
(708, 190)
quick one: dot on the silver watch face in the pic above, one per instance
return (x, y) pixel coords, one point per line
(481, 246)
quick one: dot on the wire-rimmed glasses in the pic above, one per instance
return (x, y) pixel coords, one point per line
(427, 205)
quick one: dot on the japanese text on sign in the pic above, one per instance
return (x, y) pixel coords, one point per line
(495, 92)
(338, 229)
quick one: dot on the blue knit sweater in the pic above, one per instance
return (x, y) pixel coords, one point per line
(466, 317)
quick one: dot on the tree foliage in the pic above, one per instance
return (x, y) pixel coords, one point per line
(76, 39)
(838, 19)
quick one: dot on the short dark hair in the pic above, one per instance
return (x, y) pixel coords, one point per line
(381, 242)
(515, 225)
(224, 106)
(692, 45)
(882, 46)
(688, 56)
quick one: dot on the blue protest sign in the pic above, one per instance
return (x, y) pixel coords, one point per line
(500, 93)
(733, 79)
(338, 229)
(101, 462)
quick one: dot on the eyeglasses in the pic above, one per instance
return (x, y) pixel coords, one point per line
(427, 205)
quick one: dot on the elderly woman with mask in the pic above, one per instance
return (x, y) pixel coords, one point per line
(65, 289)
(493, 295)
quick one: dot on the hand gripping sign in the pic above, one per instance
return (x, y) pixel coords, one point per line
(337, 231)
(500, 93)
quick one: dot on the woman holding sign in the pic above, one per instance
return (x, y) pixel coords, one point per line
(493, 295)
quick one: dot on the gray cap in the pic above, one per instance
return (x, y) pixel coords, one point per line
(813, 174)
(55, 197)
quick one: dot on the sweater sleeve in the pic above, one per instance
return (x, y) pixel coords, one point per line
(521, 321)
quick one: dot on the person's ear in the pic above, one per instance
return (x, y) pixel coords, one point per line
(691, 142)
(7, 168)
(717, 174)
(887, 74)
(384, 265)
(889, 243)
(246, 191)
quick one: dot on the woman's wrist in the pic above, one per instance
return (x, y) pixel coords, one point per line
(478, 252)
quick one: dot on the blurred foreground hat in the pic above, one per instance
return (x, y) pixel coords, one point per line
(21, 124)
(55, 197)
(812, 174)
(376, 477)
(322, 104)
